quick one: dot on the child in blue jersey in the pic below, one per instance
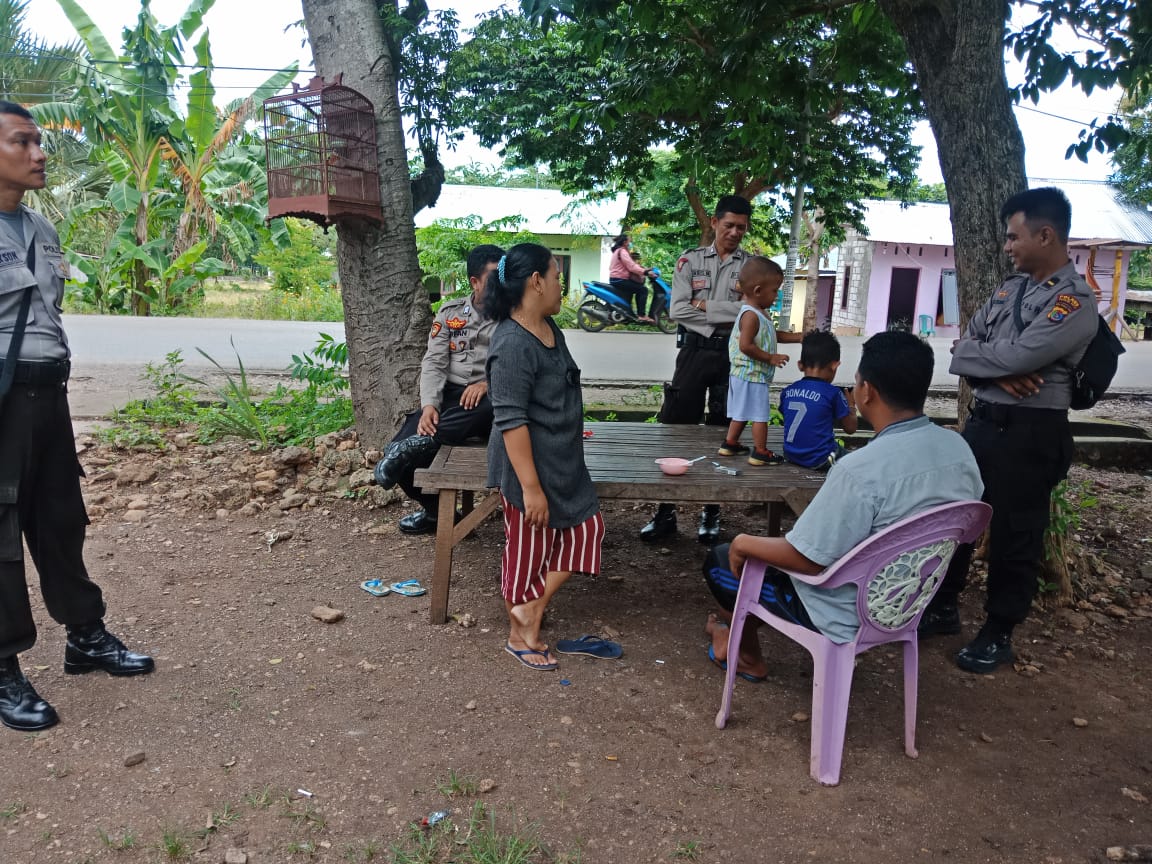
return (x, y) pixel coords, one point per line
(812, 406)
(753, 361)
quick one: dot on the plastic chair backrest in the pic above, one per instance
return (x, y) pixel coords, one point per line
(898, 569)
(926, 325)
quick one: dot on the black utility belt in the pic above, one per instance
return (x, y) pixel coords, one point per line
(1018, 414)
(40, 374)
(685, 338)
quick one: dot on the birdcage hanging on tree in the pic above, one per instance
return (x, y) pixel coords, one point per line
(321, 148)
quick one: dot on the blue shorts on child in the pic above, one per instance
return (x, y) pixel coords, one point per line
(749, 401)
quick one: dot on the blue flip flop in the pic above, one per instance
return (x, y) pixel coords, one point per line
(376, 587)
(590, 646)
(539, 667)
(723, 664)
(408, 588)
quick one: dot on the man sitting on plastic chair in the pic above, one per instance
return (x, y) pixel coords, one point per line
(909, 466)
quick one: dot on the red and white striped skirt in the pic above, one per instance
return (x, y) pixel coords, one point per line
(531, 553)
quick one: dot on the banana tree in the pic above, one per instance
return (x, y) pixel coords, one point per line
(126, 105)
(196, 145)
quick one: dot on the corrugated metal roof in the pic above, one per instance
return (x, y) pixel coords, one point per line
(543, 211)
(1097, 214)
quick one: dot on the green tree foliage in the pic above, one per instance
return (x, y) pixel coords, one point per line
(306, 262)
(33, 70)
(444, 245)
(594, 94)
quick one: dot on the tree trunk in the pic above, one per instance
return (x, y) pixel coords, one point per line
(814, 222)
(140, 304)
(386, 313)
(957, 49)
(792, 255)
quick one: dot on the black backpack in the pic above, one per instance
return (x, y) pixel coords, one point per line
(1092, 376)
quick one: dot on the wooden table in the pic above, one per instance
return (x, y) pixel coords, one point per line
(620, 458)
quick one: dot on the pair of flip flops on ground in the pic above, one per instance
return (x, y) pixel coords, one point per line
(589, 646)
(407, 588)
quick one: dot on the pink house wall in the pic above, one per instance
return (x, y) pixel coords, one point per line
(929, 260)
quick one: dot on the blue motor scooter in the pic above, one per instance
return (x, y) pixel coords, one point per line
(602, 306)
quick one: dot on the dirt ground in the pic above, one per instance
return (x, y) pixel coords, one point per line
(383, 718)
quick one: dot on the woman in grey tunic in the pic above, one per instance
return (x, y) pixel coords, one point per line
(552, 521)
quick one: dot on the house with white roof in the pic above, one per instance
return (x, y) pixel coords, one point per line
(901, 272)
(578, 232)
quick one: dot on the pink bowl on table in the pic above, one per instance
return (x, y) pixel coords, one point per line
(673, 466)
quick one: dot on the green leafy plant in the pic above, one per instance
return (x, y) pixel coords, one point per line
(457, 784)
(238, 415)
(174, 844)
(326, 367)
(126, 840)
(306, 262)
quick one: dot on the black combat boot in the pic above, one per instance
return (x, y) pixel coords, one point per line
(991, 649)
(20, 705)
(662, 524)
(709, 533)
(400, 455)
(93, 647)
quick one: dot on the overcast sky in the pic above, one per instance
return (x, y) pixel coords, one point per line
(258, 33)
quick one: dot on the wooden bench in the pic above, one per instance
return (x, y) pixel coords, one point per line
(620, 458)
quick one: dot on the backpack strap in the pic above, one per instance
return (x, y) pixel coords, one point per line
(9, 369)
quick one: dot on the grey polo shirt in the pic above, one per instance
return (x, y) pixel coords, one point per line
(909, 467)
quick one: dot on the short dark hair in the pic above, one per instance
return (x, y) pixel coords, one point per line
(899, 366)
(481, 257)
(1044, 206)
(733, 204)
(759, 264)
(620, 240)
(818, 349)
(18, 110)
(504, 292)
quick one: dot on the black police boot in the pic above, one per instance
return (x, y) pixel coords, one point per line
(93, 647)
(991, 649)
(399, 457)
(420, 522)
(709, 533)
(20, 705)
(942, 620)
(662, 524)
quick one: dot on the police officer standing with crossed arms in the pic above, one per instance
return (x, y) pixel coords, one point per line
(704, 306)
(39, 473)
(1018, 352)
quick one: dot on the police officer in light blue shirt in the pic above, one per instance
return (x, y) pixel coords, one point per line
(40, 498)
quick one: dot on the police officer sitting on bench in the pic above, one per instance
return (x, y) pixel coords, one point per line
(454, 402)
(1018, 352)
(39, 473)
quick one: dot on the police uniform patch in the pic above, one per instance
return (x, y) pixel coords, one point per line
(1068, 301)
(456, 323)
(680, 264)
(435, 328)
(699, 283)
(1001, 296)
(451, 346)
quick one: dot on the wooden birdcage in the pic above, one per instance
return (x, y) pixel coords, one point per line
(321, 146)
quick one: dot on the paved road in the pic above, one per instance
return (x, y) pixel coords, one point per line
(109, 352)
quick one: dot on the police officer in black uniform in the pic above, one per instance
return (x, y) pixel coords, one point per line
(704, 306)
(454, 402)
(1019, 352)
(40, 494)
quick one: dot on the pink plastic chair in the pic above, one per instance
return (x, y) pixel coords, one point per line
(897, 572)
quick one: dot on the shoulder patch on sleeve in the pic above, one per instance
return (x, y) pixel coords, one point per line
(435, 329)
(1068, 300)
(680, 264)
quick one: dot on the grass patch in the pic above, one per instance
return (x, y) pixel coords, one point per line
(260, 798)
(126, 840)
(174, 844)
(481, 841)
(307, 817)
(13, 809)
(686, 850)
(259, 302)
(284, 417)
(457, 784)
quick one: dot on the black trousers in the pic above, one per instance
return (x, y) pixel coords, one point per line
(628, 288)
(1022, 453)
(40, 499)
(457, 424)
(700, 380)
